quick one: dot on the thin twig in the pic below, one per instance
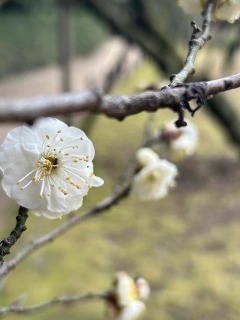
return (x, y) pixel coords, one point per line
(65, 300)
(197, 41)
(6, 244)
(107, 203)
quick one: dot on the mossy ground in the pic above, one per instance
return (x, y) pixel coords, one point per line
(186, 245)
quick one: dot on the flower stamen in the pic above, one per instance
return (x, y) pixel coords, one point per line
(27, 175)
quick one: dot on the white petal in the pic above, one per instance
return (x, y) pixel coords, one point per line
(131, 312)
(143, 288)
(95, 181)
(146, 156)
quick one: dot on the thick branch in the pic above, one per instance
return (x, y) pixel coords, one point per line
(60, 300)
(30, 109)
(175, 98)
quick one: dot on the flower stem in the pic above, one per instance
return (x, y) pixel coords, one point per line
(15, 234)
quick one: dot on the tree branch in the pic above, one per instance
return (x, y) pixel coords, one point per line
(15, 234)
(175, 98)
(60, 300)
(119, 194)
(197, 41)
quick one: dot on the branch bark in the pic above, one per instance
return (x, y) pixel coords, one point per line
(175, 98)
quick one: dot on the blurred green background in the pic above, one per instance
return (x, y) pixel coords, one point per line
(187, 245)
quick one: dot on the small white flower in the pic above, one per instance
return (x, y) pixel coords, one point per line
(47, 167)
(182, 142)
(228, 10)
(124, 289)
(125, 294)
(154, 180)
(146, 156)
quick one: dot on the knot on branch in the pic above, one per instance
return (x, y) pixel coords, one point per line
(197, 91)
(196, 30)
(197, 36)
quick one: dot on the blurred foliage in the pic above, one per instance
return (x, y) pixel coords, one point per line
(29, 34)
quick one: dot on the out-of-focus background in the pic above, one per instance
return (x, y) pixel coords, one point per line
(187, 245)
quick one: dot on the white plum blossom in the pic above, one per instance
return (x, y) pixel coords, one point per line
(228, 10)
(127, 294)
(47, 167)
(182, 142)
(124, 289)
(155, 179)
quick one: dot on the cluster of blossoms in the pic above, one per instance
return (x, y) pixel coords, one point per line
(47, 167)
(181, 142)
(155, 176)
(228, 10)
(126, 297)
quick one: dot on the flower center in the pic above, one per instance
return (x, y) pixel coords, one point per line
(46, 165)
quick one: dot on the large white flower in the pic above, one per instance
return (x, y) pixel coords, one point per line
(47, 167)
(228, 10)
(153, 181)
(182, 142)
